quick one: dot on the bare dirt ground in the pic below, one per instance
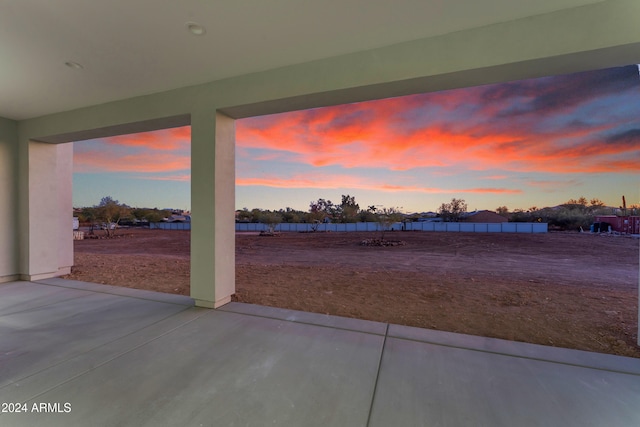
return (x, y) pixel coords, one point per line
(573, 290)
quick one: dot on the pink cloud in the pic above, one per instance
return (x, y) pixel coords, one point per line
(495, 177)
(437, 146)
(149, 152)
(551, 186)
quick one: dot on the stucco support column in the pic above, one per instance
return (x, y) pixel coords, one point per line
(64, 197)
(213, 209)
(8, 200)
(49, 234)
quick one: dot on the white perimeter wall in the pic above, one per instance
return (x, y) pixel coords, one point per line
(453, 227)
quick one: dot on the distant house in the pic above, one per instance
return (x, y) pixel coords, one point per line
(621, 224)
(483, 216)
(179, 218)
(429, 217)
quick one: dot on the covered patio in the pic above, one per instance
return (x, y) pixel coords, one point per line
(79, 70)
(103, 356)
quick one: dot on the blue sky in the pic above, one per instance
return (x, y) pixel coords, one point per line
(520, 144)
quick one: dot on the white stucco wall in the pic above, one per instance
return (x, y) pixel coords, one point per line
(595, 36)
(8, 199)
(49, 247)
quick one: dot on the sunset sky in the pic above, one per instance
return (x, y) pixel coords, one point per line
(520, 144)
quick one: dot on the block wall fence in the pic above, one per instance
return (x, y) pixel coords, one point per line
(465, 227)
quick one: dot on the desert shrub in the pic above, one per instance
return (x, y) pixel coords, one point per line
(271, 220)
(571, 219)
(563, 217)
(386, 217)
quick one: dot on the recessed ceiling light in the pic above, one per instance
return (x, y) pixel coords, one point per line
(196, 29)
(73, 65)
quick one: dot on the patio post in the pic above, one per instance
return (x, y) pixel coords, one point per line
(213, 208)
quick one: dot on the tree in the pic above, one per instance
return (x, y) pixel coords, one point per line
(110, 211)
(291, 215)
(519, 215)
(348, 209)
(316, 215)
(149, 215)
(155, 215)
(243, 215)
(90, 215)
(386, 217)
(271, 220)
(319, 211)
(503, 211)
(453, 211)
(581, 201)
(368, 215)
(255, 215)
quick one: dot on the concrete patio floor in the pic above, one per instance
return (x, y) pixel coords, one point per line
(99, 355)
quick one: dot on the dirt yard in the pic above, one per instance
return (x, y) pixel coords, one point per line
(560, 289)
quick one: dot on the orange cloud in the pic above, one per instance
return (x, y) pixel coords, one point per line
(165, 139)
(179, 178)
(519, 126)
(354, 182)
(438, 146)
(144, 162)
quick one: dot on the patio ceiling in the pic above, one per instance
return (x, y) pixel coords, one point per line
(69, 54)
